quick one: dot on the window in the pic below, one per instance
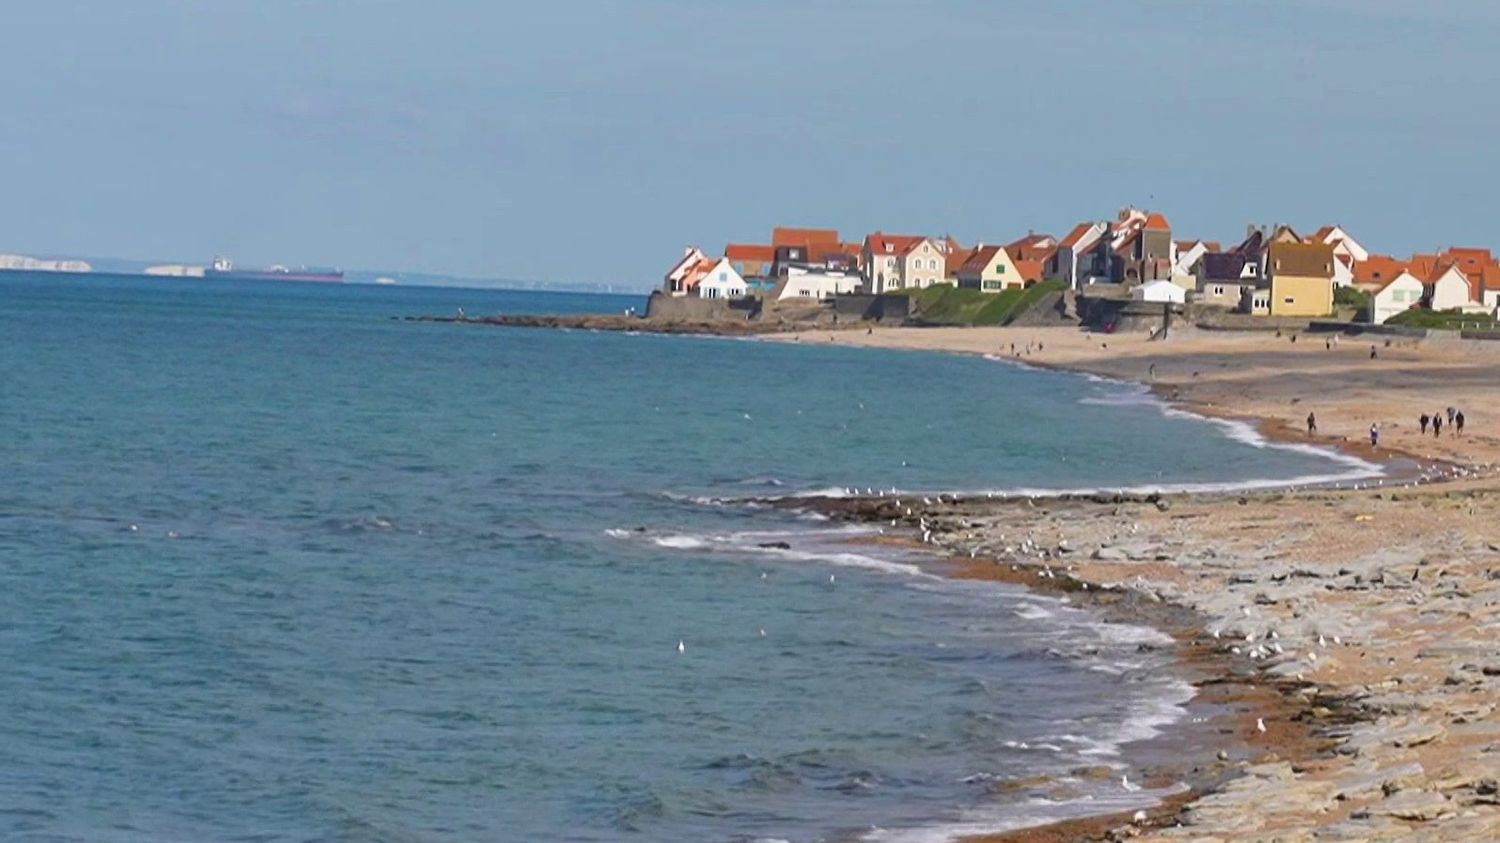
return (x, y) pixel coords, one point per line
(1218, 291)
(1287, 300)
(999, 269)
(723, 276)
(932, 264)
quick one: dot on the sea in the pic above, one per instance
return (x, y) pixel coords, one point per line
(276, 565)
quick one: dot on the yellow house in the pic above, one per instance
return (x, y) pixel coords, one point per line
(1301, 279)
(990, 269)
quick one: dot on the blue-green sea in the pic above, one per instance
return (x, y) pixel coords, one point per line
(275, 566)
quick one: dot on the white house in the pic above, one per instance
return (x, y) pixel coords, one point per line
(675, 281)
(1342, 243)
(1064, 262)
(1160, 291)
(818, 284)
(1343, 269)
(1450, 290)
(1397, 295)
(721, 282)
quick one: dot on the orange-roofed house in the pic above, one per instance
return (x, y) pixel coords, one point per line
(1397, 294)
(955, 258)
(1341, 241)
(1449, 288)
(1376, 271)
(1067, 260)
(754, 263)
(674, 283)
(897, 261)
(715, 278)
(990, 269)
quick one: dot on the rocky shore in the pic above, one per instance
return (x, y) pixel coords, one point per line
(1368, 617)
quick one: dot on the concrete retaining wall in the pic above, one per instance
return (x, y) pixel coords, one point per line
(665, 308)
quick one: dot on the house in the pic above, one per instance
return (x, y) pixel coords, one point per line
(719, 279)
(1185, 257)
(818, 282)
(1033, 247)
(990, 269)
(1138, 247)
(1342, 243)
(899, 261)
(1160, 291)
(751, 261)
(674, 282)
(954, 260)
(1449, 289)
(754, 263)
(1065, 261)
(879, 260)
(1397, 294)
(1376, 271)
(1300, 278)
(804, 237)
(1221, 280)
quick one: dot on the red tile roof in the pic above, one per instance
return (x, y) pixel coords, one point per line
(880, 243)
(1379, 269)
(978, 259)
(806, 237)
(747, 252)
(1037, 247)
(1157, 222)
(1030, 270)
(955, 259)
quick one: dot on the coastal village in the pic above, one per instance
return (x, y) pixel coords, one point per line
(1274, 272)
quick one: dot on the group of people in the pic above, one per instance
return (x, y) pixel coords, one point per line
(1455, 422)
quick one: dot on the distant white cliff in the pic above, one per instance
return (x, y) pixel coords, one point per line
(176, 270)
(40, 265)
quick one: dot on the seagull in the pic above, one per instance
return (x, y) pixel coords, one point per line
(135, 528)
(1260, 725)
(747, 415)
(762, 632)
(1321, 642)
(830, 578)
(762, 574)
(1125, 783)
(681, 647)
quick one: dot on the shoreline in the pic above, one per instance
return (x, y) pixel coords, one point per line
(1310, 725)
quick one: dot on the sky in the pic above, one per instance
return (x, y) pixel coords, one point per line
(590, 141)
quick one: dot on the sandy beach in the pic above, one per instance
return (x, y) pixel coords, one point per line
(1367, 616)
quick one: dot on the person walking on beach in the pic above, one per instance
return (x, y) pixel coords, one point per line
(1437, 424)
(1451, 411)
(1312, 424)
(1423, 420)
(1151, 371)
(1374, 436)
(1372, 352)
(1458, 423)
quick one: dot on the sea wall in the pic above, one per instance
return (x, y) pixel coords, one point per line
(664, 308)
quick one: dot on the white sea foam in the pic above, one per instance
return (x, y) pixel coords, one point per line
(680, 542)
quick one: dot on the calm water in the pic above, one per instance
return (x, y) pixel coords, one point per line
(275, 567)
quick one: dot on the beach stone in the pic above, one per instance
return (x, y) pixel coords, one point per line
(1413, 805)
(1370, 781)
(1110, 554)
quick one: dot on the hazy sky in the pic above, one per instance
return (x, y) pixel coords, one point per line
(590, 141)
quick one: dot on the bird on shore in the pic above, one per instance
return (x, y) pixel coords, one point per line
(1125, 783)
(1260, 725)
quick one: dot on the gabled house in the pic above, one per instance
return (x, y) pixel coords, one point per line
(989, 269)
(1221, 279)
(674, 281)
(718, 280)
(1300, 278)
(1186, 255)
(880, 260)
(923, 263)
(1397, 294)
(1032, 247)
(956, 257)
(1065, 261)
(1376, 271)
(1342, 243)
(1138, 248)
(817, 282)
(1449, 289)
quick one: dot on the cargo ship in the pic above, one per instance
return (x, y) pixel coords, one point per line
(223, 269)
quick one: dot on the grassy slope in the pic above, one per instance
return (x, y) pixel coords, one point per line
(946, 305)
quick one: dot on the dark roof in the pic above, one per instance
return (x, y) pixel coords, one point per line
(1307, 259)
(1223, 266)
